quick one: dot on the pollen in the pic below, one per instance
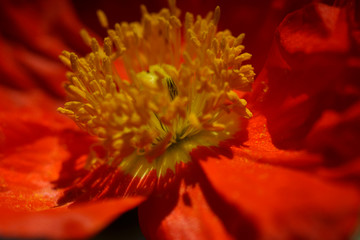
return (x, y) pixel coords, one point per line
(180, 90)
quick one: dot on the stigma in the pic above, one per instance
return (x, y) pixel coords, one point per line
(179, 90)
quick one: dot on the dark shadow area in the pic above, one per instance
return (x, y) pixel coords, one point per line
(236, 222)
(78, 145)
(124, 227)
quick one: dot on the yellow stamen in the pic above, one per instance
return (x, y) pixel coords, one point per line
(178, 94)
(102, 18)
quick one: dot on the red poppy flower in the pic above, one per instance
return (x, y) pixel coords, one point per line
(290, 171)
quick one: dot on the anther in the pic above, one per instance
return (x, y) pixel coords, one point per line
(171, 87)
(216, 15)
(107, 46)
(85, 36)
(102, 19)
(74, 62)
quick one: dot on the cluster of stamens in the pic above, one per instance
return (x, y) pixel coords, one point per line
(177, 93)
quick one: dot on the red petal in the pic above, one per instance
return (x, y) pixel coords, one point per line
(311, 69)
(64, 223)
(27, 116)
(191, 209)
(347, 172)
(260, 148)
(36, 143)
(41, 153)
(45, 27)
(49, 74)
(315, 28)
(39, 32)
(9, 68)
(27, 174)
(337, 134)
(284, 203)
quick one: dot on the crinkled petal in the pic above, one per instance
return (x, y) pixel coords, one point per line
(260, 148)
(36, 142)
(282, 202)
(312, 70)
(337, 134)
(40, 151)
(29, 199)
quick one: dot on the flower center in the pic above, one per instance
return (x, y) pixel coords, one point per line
(177, 92)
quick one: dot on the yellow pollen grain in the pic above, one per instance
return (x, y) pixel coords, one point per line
(176, 90)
